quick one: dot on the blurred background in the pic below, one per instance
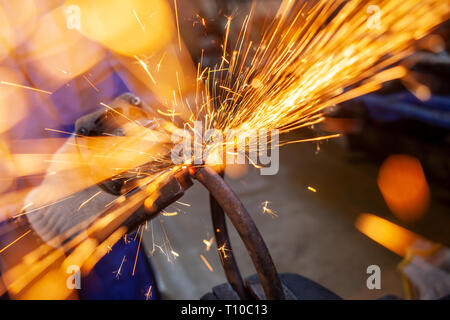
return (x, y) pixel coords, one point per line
(392, 160)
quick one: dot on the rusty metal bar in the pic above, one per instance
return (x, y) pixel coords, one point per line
(229, 264)
(246, 228)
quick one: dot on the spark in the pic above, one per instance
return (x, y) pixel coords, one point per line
(137, 18)
(145, 67)
(227, 32)
(88, 200)
(26, 206)
(208, 243)
(118, 272)
(174, 253)
(91, 83)
(178, 23)
(149, 293)
(13, 242)
(206, 263)
(137, 251)
(25, 87)
(314, 57)
(117, 112)
(312, 189)
(58, 131)
(158, 66)
(41, 207)
(169, 214)
(168, 114)
(229, 90)
(316, 139)
(266, 209)
(184, 204)
(223, 250)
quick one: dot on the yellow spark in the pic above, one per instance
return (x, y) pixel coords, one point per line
(26, 206)
(175, 253)
(41, 207)
(227, 32)
(87, 201)
(316, 139)
(312, 189)
(145, 67)
(223, 249)
(158, 66)
(115, 111)
(168, 114)
(25, 87)
(169, 214)
(208, 243)
(229, 90)
(266, 209)
(137, 18)
(317, 55)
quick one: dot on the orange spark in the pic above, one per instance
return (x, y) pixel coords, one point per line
(137, 252)
(206, 263)
(178, 23)
(13, 242)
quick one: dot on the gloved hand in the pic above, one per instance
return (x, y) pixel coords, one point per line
(93, 168)
(55, 208)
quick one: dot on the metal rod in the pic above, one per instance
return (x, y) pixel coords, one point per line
(246, 228)
(229, 264)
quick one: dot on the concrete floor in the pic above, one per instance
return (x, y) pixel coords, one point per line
(313, 235)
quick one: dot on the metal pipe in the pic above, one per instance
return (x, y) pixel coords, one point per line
(229, 264)
(246, 228)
